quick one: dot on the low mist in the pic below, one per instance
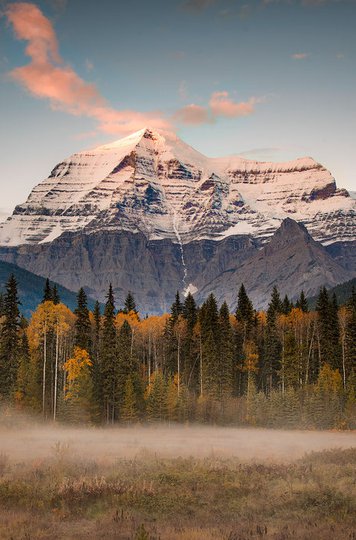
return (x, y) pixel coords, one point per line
(21, 441)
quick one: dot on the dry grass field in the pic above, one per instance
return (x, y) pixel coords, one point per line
(176, 483)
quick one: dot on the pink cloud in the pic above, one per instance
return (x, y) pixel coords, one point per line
(300, 56)
(46, 76)
(222, 105)
(192, 115)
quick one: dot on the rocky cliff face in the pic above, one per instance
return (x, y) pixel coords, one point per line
(152, 269)
(155, 184)
(292, 260)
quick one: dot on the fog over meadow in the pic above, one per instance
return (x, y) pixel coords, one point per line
(28, 441)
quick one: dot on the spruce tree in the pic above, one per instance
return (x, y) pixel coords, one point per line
(1, 304)
(108, 358)
(302, 303)
(127, 364)
(209, 321)
(245, 311)
(82, 323)
(130, 304)
(328, 329)
(47, 292)
(351, 335)
(226, 354)
(286, 305)
(129, 411)
(176, 308)
(157, 399)
(9, 339)
(273, 346)
(55, 295)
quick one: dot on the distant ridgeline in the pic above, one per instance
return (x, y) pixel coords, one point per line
(343, 293)
(288, 366)
(30, 288)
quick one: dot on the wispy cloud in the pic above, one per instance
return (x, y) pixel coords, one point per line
(48, 77)
(300, 56)
(220, 106)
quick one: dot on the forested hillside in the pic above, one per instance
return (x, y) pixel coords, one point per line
(286, 367)
(30, 287)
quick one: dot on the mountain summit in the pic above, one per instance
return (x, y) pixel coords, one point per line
(154, 183)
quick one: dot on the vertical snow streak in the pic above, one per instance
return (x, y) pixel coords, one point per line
(179, 238)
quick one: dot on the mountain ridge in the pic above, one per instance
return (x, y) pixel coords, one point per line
(154, 183)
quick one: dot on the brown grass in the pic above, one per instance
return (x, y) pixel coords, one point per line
(65, 497)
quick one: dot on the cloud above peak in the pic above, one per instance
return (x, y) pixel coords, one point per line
(48, 77)
(220, 105)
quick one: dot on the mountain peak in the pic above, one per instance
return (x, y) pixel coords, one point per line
(153, 182)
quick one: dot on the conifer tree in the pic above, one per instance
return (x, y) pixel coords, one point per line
(328, 329)
(286, 305)
(126, 362)
(129, 411)
(108, 358)
(209, 320)
(176, 308)
(82, 323)
(1, 304)
(351, 334)
(302, 303)
(130, 304)
(157, 399)
(55, 295)
(273, 347)
(244, 311)
(226, 354)
(9, 339)
(47, 292)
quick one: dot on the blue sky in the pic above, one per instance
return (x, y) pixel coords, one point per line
(272, 79)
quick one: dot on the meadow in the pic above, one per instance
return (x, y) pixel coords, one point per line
(175, 482)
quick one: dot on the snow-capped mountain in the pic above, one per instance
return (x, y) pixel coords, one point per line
(153, 183)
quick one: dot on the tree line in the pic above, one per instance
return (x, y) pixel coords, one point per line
(283, 367)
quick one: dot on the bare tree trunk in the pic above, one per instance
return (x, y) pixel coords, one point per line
(178, 366)
(56, 376)
(44, 370)
(201, 369)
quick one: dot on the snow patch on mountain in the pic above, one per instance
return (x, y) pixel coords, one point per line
(154, 183)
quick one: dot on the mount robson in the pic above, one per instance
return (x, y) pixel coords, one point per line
(151, 215)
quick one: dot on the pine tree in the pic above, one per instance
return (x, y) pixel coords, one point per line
(176, 308)
(9, 339)
(226, 354)
(108, 358)
(130, 304)
(129, 411)
(286, 305)
(157, 399)
(245, 311)
(127, 364)
(328, 329)
(82, 323)
(209, 321)
(351, 334)
(2, 306)
(55, 295)
(302, 303)
(47, 292)
(273, 347)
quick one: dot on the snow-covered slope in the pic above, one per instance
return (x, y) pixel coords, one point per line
(154, 183)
